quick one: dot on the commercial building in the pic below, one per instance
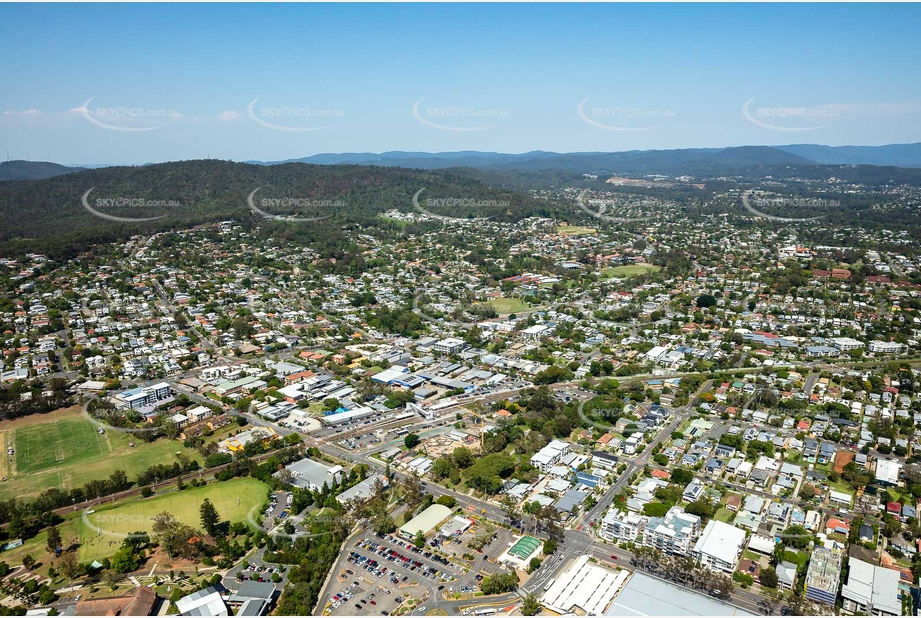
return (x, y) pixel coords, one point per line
(232, 387)
(253, 598)
(456, 527)
(645, 595)
(450, 345)
(585, 587)
(846, 344)
(312, 475)
(885, 347)
(887, 471)
(719, 547)
(520, 553)
(237, 444)
(823, 575)
(871, 590)
(425, 522)
(346, 417)
(364, 489)
(207, 602)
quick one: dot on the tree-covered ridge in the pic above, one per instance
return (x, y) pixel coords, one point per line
(48, 215)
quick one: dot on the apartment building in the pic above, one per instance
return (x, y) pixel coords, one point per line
(620, 527)
(673, 533)
(550, 455)
(719, 547)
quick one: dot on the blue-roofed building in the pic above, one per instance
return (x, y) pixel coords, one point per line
(590, 480)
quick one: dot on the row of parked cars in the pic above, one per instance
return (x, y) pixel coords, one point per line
(341, 597)
(411, 547)
(375, 568)
(392, 555)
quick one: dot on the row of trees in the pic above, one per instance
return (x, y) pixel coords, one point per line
(683, 570)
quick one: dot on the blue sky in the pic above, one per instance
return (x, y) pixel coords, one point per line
(271, 82)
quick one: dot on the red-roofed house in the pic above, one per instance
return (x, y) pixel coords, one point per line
(837, 525)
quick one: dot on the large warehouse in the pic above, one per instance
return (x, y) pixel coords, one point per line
(584, 586)
(425, 522)
(649, 596)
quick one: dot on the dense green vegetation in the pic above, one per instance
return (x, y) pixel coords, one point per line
(50, 214)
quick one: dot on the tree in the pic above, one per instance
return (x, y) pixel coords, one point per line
(768, 577)
(510, 508)
(54, 539)
(655, 509)
(68, 565)
(448, 501)
(702, 508)
(125, 561)
(411, 440)
(500, 583)
(797, 536)
(28, 561)
(533, 565)
(173, 535)
(807, 492)
(412, 488)
(891, 526)
(442, 468)
(463, 457)
(384, 524)
(419, 541)
(530, 606)
(210, 519)
(681, 476)
(705, 300)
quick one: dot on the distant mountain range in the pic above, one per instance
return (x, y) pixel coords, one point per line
(689, 161)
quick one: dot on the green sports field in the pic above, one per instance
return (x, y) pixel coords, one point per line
(575, 230)
(63, 449)
(629, 271)
(234, 500)
(63, 440)
(505, 306)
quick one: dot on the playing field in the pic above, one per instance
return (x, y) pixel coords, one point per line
(575, 230)
(631, 270)
(63, 449)
(63, 439)
(504, 306)
(234, 500)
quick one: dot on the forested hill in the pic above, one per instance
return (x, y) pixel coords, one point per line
(26, 170)
(49, 216)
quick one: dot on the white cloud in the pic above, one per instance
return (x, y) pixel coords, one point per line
(229, 116)
(25, 113)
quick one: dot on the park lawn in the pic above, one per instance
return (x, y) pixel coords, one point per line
(629, 270)
(235, 501)
(575, 230)
(504, 306)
